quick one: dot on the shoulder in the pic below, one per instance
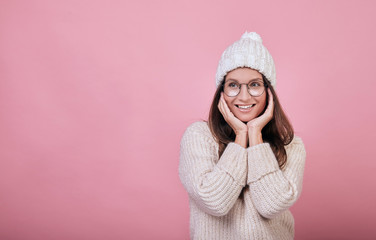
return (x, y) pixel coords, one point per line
(199, 129)
(296, 141)
(296, 145)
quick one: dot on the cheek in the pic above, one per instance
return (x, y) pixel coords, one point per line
(262, 103)
(229, 102)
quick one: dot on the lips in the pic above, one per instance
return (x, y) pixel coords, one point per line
(245, 107)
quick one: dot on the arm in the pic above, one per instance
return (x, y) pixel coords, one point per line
(213, 184)
(273, 190)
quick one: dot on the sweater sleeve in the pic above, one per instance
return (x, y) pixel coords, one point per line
(213, 184)
(273, 190)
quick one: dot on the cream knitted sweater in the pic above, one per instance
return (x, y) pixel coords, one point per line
(243, 194)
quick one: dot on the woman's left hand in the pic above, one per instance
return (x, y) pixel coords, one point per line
(259, 123)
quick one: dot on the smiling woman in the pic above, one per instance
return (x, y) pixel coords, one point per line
(248, 102)
(243, 168)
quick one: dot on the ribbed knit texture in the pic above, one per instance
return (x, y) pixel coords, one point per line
(248, 51)
(243, 194)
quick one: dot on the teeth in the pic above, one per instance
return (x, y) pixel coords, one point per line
(245, 107)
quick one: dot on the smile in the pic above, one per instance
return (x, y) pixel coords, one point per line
(245, 107)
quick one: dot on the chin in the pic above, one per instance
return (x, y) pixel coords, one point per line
(245, 119)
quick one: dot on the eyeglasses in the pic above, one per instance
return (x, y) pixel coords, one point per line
(232, 88)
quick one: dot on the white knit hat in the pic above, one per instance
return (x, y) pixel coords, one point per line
(247, 52)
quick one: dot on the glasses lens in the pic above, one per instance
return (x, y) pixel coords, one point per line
(256, 88)
(231, 88)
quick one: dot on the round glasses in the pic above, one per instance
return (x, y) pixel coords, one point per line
(232, 88)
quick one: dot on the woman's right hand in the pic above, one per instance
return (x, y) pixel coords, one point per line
(240, 128)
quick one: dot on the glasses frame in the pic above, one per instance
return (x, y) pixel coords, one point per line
(240, 87)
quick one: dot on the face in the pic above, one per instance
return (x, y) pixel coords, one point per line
(244, 106)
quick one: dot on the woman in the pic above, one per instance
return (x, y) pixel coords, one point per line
(243, 168)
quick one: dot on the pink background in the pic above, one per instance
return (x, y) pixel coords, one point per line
(95, 96)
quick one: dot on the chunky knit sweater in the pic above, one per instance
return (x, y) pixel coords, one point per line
(243, 194)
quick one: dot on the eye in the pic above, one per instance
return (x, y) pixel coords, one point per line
(255, 84)
(233, 85)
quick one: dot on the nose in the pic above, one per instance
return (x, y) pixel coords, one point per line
(243, 94)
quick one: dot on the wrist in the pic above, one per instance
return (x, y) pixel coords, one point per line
(255, 138)
(242, 139)
(241, 132)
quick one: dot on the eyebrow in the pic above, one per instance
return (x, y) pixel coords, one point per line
(254, 79)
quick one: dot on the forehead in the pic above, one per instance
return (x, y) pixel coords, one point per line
(244, 75)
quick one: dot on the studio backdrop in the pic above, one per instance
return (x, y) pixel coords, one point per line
(95, 96)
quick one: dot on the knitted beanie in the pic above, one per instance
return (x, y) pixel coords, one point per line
(247, 52)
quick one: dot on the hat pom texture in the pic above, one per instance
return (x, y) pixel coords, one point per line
(247, 52)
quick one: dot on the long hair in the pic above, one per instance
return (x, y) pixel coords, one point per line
(278, 132)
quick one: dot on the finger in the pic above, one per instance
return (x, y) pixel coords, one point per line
(270, 107)
(226, 108)
(226, 113)
(220, 102)
(229, 116)
(221, 108)
(270, 96)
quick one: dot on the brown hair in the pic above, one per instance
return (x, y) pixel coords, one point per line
(278, 132)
